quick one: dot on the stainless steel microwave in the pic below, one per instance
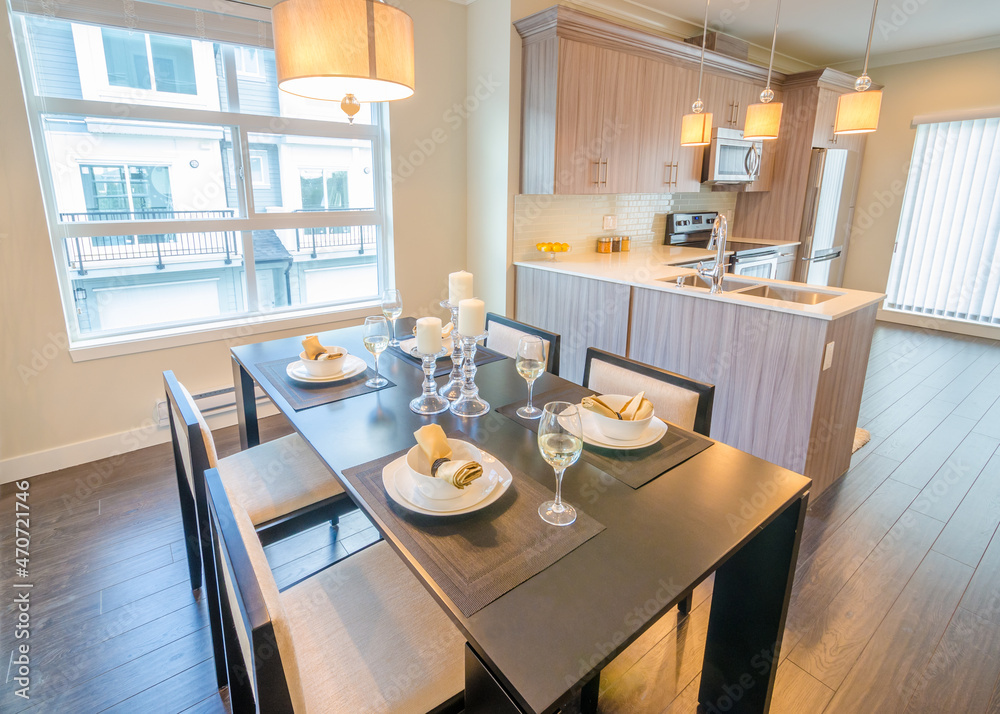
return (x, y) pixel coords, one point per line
(731, 158)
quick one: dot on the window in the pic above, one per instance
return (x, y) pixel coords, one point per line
(143, 61)
(174, 203)
(946, 261)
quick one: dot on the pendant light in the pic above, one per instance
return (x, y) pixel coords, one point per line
(857, 113)
(764, 119)
(349, 51)
(696, 128)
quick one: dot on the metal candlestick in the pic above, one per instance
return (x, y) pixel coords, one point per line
(453, 389)
(469, 404)
(430, 402)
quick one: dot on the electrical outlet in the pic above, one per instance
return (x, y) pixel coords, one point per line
(160, 413)
(828, 357)
(610, 223)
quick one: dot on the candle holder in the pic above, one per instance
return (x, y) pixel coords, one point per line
(469, 404)
(430, 402)
(453, 389)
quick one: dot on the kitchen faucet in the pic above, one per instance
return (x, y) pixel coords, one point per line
(719, 231)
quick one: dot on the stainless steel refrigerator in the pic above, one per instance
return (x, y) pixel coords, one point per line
(826, 221)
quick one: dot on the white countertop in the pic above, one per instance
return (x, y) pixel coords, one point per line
(655, 268)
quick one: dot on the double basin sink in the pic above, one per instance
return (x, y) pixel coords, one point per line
(742, 286)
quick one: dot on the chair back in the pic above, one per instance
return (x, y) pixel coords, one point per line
(258, 640)
(677, 399)
(194, 447)
(504, 334)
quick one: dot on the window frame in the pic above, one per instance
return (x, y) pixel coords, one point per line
(241, 125)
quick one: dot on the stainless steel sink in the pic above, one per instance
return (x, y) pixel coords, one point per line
(779, 292)
(697, 281)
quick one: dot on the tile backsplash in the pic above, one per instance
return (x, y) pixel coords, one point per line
(578, 220)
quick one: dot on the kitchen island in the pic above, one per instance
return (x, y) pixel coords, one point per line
(787, 360)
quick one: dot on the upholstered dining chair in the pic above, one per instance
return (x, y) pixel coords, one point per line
(277, 482)
(362, 635)
(677, 399)
(504, 334)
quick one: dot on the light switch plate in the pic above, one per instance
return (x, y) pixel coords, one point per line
(610, 223)
(828, 356)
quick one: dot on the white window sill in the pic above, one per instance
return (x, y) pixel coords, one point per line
(238, 329)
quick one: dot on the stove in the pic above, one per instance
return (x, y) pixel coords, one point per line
(691, 230)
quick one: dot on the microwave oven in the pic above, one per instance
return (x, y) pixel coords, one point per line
(731, 159)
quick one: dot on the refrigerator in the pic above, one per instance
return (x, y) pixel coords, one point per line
(826, 221)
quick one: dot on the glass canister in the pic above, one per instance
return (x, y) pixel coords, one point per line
(616, 244)
(626, 244)
(604, 244)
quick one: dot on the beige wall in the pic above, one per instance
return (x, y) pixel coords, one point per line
(945, 84)
(104, 406)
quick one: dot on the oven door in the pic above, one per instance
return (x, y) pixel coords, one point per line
(756, 266)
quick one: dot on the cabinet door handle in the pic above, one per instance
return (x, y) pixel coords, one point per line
(604, 163)
(597, 178)
(736, 115)
(673, 174)
(666, 173)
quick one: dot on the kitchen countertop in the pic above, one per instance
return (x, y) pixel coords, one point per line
(655, 267)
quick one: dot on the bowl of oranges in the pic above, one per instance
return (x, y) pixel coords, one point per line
(550, 249)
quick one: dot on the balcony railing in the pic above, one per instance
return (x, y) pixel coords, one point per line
(342, 237)
(163, 214)
(102, 249)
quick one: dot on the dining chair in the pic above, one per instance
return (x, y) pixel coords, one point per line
(680, 400)
(504, 334)
(362, 635)
(677, 399)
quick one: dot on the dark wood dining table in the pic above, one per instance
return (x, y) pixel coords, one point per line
(546, 641)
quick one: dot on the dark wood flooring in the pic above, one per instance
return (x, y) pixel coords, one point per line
(896, 603)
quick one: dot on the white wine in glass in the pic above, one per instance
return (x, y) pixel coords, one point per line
(392, 308)
(560, 441)
(376, 339)
(530, 364)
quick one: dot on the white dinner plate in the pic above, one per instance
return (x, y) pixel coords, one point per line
(593, 436)
(402, 489)
(409, 347)
(353, 366)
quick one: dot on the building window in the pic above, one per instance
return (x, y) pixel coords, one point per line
(144, 61)
(180, 205)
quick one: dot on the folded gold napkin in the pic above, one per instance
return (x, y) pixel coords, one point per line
(314, 350)
(635, 409)
(433, 442)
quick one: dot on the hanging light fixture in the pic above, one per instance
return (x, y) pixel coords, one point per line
(696, 128)
(764, 119)
(857, 113)
(349, 51)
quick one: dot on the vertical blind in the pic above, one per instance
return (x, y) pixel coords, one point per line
(946, 261)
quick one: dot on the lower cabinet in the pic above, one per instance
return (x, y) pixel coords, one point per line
(584, 311)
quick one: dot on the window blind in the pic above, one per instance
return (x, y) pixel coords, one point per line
(946, 261)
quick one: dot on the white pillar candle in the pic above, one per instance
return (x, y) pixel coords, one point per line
(459, 287)
(471, 317)
(429, 335)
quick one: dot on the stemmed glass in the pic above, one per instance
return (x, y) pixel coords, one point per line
(376, 338)
(560, 439)
(530, 365)
(392, 308)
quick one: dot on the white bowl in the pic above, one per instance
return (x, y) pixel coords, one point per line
(420, 468)
(323, 367)
(619, 429)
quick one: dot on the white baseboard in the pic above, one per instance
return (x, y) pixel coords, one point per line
(929, 322)
(62, 457)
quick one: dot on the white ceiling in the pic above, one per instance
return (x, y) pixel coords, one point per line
(835, 32)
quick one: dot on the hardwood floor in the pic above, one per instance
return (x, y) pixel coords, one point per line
(895, 608)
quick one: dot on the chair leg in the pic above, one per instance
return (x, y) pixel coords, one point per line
(213, 596)
(588, 695)
(685, 605)
(191, 541)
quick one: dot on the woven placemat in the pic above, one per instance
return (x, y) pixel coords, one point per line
(484, 355)
(302, 396)
(477, 557)
(633, 467)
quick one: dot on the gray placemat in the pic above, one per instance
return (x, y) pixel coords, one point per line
(484, 355)
(477, 557)
(633, 467)
(302, 396)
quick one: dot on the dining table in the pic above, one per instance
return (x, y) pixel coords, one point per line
(542, 644)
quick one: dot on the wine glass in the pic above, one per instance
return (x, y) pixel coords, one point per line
(530, 365)
(560, 439)
(392, 308)
(376, 338)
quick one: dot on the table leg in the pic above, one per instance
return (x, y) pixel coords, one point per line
(246, 406)
(483, 693)
(749, 605)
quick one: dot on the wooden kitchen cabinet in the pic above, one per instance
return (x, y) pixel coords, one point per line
(664, 166)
